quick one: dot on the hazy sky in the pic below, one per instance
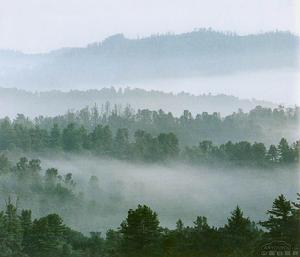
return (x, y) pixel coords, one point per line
(41, 25)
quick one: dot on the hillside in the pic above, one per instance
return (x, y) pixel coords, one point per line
(51, 103)
(118, 59)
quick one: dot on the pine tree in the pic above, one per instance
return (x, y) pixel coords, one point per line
(55, 137)
(280, 222)
(140, 231)
(240, 234)
(47, 236)
(26, 224)
(13, 228)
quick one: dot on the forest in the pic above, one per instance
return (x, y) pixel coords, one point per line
(149, 128)
(140, 234)
(259, 124)
(150, 136)
(43, 207)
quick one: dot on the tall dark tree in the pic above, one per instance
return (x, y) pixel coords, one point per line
(26, 224)
(121, 145)
(168, 145)
(13, 230)
(71, 138)
(240, 234)
(101, 140)
(47, 236)
(55, 138)
(285, 152)
(140, 232)
(273, 153)
(280, 224)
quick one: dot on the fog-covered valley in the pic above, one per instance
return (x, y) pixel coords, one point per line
(53, 103)
(136, 128)
(262, 66)
(174, 190)
(59, 84)
(180, 191)
(276, 86)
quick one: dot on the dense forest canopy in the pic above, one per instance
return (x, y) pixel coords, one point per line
(118, 59)
(259, 125)
(144, 147)
(140, 234)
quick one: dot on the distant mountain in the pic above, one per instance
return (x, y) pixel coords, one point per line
(52, 103)
(121, 60)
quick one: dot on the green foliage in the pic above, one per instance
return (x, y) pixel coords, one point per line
(140, 232)
(283, 222)
(141, 235)
(55, 137)
(240, 234)
(151, 136)
(101, 140)
(10, 232)
(71, 138)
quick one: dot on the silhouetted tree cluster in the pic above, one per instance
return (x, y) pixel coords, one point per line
(42, 190)
(244, 153)
(260, 124)
(142, 146)
(140, 234)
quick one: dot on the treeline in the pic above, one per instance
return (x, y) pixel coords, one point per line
(52, 103)
(144, 147)
(243, 153)
(260, 124)
(140, 234)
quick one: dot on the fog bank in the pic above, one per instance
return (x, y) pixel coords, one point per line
(177, 191)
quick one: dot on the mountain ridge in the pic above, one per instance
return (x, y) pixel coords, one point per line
(55, 102)
(118, 59)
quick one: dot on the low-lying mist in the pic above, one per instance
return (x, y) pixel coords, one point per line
(277, 86)
(224, 94)
(174, 191)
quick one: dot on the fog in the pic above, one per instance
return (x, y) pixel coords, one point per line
(268, 89)
(281, 87)
(34, 27)
(174, 190)
(262, 66)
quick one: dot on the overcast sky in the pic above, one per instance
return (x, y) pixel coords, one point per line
(42, 25)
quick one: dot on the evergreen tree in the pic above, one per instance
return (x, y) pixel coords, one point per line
(71, 138)
(26, 224)
(121, 146)
(140, 232)
(47, 236)
(55, 137)
(280, 224)
(13, 229)
(101, 140)
(285, 152)
(240, 234)
(273, 153)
